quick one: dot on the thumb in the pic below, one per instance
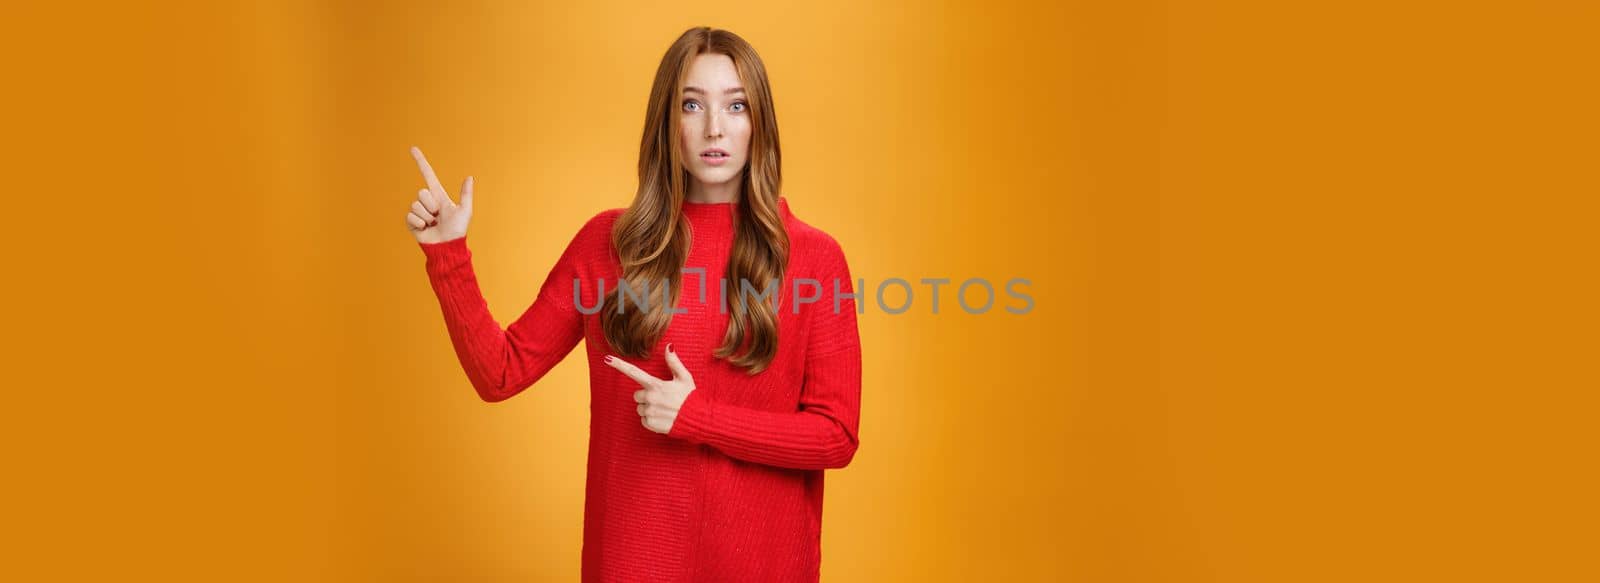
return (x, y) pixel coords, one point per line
(679, 372)
(466, 193)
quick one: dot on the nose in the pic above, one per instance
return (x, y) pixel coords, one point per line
(713, 126)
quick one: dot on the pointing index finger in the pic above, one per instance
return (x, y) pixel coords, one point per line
(428, 175)
(633, 372)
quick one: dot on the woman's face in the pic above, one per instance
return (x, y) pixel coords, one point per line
(715, 132)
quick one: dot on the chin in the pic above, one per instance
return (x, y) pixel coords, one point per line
(717, 175)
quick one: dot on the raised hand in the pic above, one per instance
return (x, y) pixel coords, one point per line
(434, 218)
(659, 400)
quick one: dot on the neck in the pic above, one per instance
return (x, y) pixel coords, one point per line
(700, 192)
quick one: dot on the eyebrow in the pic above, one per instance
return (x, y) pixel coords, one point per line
(702, 91)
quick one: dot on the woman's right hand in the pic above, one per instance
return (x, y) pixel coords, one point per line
(434, 218)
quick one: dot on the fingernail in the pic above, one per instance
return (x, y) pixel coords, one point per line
(669, 347)
(608, 359)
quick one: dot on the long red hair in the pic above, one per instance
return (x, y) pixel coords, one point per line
(652, 239)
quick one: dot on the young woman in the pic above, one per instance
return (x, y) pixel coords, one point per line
(713, 409)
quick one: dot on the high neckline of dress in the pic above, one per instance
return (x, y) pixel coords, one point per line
(707, 210)
(701, 211)
(783, 201)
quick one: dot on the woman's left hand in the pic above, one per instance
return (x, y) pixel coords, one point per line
(659, 400)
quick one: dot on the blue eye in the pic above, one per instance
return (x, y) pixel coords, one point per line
(742, 106)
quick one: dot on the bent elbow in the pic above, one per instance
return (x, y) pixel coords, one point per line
(840, 455)
(496, 387)
(491, 395)
(494, 393)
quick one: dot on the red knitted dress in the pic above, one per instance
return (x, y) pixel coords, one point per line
(734, 491)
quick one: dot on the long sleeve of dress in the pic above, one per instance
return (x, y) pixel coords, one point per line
(823, 434)
(503, 362)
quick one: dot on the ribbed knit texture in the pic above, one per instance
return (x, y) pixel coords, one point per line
(734, 491)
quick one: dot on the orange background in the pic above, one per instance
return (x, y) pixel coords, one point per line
(1314, 284)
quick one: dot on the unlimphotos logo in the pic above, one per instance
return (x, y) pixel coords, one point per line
(811, 291)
